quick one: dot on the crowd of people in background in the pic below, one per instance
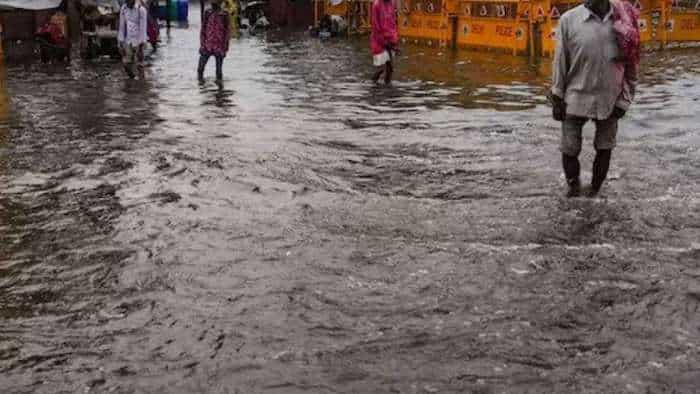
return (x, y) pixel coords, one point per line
(594, 72)
(138, 25)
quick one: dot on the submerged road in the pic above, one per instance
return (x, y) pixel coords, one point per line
(299, 230)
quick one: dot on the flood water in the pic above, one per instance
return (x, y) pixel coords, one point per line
(299, 230)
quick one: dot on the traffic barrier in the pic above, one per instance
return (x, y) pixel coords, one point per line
(425, 21)
(501, 25)
(661, 23)
(681, 22)
(355, 12)
(545, 17)
(526, 27)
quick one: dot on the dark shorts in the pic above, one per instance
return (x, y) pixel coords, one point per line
(572, 127)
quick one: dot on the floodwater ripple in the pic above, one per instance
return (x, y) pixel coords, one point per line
(297, 229)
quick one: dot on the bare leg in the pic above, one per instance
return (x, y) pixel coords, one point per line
(129, 69)
(378, 74)
(140, 68)
(389, 73)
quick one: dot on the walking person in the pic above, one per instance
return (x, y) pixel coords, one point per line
(214, 38)
(153, 27)
(132, 37)
(53, 41)
(594, 79)
(384, 39)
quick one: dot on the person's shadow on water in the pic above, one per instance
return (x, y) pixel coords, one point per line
(216, 94)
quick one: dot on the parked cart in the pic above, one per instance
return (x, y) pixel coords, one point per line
(100, 19)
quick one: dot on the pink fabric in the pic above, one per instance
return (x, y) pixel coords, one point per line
(384, 30)
(214, 37)
(153, 29)
(55, 34)
(626, 25)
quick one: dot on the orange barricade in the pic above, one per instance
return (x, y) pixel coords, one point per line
(545, 20)
(501, 25)
(425, 21)
(355, 12)
(648, 19)
(682, 21)
(519, 26)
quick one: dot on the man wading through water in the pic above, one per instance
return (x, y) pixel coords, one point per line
(132, 37)
(594, 78)
(214, 39)
(384, 38)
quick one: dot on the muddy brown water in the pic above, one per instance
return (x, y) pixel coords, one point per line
(298, 230)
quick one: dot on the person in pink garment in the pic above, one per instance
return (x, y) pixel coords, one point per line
(384, 38)
(214, 38)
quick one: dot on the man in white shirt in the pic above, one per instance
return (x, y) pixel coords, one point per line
(589, 86)
(132, 37)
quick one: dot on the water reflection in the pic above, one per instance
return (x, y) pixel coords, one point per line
(217, 95)
(4, 105)
(63, 157)
(298, 228)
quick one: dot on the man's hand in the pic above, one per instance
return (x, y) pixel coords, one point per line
(618, 113)
(558, 108)
(392, 49)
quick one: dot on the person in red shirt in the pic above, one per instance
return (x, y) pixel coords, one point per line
(384, 38)
(52, 40)
(214, 38)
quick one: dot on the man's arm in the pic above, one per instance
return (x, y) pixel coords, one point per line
(121, 36)
(229, 30)
(389, 34)
(377, 27)
(560, 67)
(629, 89)
(143, 25)
(203, 29)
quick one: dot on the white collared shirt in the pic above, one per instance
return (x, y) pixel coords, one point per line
(585, 72)
(133, 25)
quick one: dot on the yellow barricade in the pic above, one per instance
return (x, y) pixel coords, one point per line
(425, 21)
(682, 22)
(493, 25)
(517, 26)
(649, 14)
(355, 12)
(544, 16)
(338, 9)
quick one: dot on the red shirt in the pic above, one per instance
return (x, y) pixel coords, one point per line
(55, 33)
(384, 30)
(214, 37)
